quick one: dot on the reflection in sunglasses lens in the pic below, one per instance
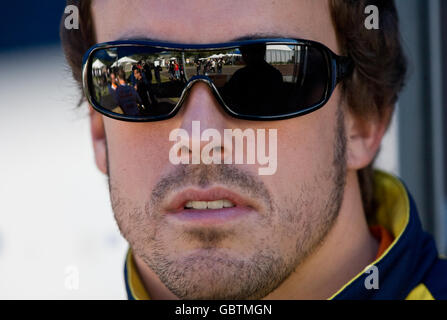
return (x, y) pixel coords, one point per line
(255, 80)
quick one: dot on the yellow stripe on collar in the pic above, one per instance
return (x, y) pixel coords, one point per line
(393, 212)
(421, 292)
(134, 280)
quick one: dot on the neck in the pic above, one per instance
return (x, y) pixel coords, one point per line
(348, 248)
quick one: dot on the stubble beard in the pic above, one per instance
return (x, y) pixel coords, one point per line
(214, 273)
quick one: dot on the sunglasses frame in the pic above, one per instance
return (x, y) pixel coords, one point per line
(339, 67)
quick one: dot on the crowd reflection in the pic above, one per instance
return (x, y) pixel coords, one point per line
(151, 83)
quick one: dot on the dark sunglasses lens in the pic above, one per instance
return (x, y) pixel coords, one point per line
(256, 80)
(277, 80)
(139, 82)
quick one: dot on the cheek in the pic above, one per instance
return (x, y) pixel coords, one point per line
(138, 154)
(305, 151)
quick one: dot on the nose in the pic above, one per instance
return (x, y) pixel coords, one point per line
(201, 104)
(203, 118)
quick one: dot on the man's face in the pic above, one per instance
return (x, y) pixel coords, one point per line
(137, 74)
(281, 219)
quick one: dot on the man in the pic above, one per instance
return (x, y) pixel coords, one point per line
(219, 66)
(309, 230)
(126, 96)
(198, 64)
(157, 71)
(147, 68)
(142, 89)
(260, 76)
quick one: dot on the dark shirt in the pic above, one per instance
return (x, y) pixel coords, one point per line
(143, 92)
(128, 99)
(148, 73)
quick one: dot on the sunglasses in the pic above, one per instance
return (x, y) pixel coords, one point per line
(261, 79)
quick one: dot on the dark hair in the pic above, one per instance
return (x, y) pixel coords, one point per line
(379, 62)
(76, 42)
(121, 74)
(112, 71)
(379, 72)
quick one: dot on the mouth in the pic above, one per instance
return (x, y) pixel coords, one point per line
(209, 206)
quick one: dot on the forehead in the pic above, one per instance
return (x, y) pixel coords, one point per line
(210, 21)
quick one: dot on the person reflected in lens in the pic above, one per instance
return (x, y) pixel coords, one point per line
(107, 93)
(157, 71)
(113, 81)
(126, 96)
(205, 67)
(131, 79)
(108, 100)
(198, 64)
(182, 73)
(243, 89)
(142, 89)
(147, 70)
(171, 70)
(176, 70)
(219, 66)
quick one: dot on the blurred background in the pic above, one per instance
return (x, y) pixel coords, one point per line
(58, 237)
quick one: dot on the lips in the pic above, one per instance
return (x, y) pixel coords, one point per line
(211, 196)
(209, 206)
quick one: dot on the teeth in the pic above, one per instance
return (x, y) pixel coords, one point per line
(199, 204)
(217, 204)
(228, 204)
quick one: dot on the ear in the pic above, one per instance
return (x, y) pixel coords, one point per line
(99, 139)
(364, 137)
